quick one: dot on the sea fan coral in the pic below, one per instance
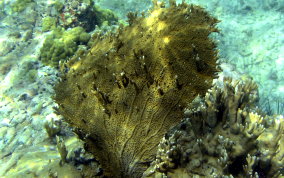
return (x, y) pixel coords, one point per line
(123, 94)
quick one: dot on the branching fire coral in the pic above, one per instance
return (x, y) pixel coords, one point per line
(222, 136)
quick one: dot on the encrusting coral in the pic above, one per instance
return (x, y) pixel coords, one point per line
(86, 14)
(70, 29)
(61, 44)
(222, 136)
(131, 86)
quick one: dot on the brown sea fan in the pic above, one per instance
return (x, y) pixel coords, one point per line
(123, 94)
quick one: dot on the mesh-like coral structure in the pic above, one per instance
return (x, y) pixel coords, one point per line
(222, 136)
(131, 86)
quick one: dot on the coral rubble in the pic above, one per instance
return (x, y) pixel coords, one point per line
(223, 135)
(131, 86)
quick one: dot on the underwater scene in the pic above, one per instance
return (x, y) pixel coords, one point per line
(141, 88)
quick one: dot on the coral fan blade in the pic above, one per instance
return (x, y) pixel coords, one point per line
(132, 86)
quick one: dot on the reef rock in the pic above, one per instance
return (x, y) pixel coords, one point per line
(131, 86)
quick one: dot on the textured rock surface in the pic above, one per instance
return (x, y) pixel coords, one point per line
(132, 86)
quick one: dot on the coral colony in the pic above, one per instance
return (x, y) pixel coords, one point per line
(127, 95)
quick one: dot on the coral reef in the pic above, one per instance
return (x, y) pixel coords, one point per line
(26, 87)
(48, 23)
(69, 29)
(121, 8)
(28, 73)
(20, 5)
(223, 135)
(62, 44)
(131, 86)
(85, 14)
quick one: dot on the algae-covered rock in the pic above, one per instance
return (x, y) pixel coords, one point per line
(26, 74)
(20, 5)
(62, 44)
(85, 14)
(58, 5)
(130, 87)
(104, 15)
(48, 23)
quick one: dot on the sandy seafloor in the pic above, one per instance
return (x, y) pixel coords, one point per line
(251, 44)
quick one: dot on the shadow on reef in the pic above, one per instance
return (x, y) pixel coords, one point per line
(124, 93)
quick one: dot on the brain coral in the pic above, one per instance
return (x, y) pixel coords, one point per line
(131, 86)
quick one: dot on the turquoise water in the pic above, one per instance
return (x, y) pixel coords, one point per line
(250, 43)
